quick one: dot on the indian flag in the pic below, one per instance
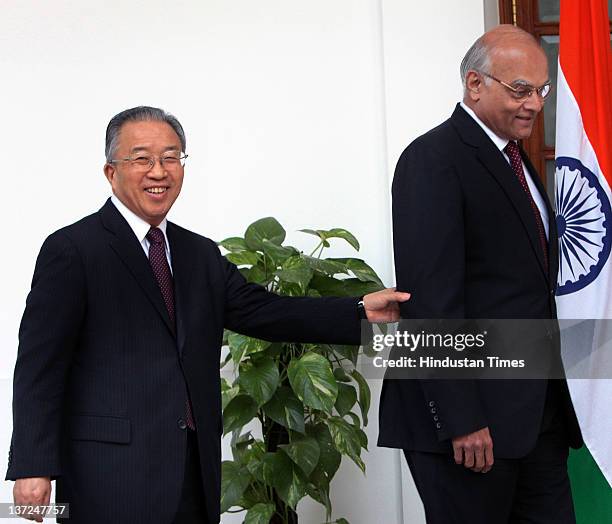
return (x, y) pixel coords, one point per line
(584, 219)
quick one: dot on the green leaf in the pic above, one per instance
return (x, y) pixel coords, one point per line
(260, 380)
(240, 445)
(228, 394)
(285, 476)
(343, 233)
(364, 395)
(250, 452)
(360, 269)
(329, 456)
(347, 396)
(329, 267)
(264, 228)
(278, 254)
(313, 382)
(349, 352)
(333, 233)
(259, 514)
(233, 244)
(243, 258)
(304, 451)
(348, 287)
(328, 286)
(286, 409)
(353, 287)
(363, 438)
(234, 480)
(312, 232)
(274, 350)
(241, 345)
(239, 411)
(295, 270)
(320, 493)
(256, 275)
(251, 496)
(354, 419)
(346, 439)
(340, 374)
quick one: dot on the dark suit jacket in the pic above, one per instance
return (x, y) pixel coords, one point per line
(467, 246)
(101, 378)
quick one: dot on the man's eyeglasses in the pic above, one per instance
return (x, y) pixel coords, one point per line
(172, 161)
(523, 91)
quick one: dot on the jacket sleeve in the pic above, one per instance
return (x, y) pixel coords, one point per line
(253, 311)
(48, 335)
(430, 254)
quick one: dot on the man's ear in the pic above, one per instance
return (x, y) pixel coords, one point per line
(473, 84)
(109, 172)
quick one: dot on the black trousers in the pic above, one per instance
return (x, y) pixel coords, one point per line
(534, 489)
(192, 508)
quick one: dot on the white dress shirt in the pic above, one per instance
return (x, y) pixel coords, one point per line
(501, 143)
(141, 228)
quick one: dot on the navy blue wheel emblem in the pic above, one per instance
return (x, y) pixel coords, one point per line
(584, 219)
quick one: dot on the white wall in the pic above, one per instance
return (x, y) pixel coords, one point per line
(293, 109)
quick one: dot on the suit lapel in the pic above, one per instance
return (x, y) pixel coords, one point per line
(128, 249)
(182, 267)
(495, 163)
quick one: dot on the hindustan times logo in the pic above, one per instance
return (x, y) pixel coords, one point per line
(414, 341)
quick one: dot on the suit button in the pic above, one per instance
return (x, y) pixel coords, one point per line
(182, 424)
(438, 425)
(433, 410)
(436, 418)
(431, 403)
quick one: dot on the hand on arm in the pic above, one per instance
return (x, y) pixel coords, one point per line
(34, 491)
(474, 450)
(383, 306)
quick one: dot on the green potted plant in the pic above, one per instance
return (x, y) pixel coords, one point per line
(293, 410)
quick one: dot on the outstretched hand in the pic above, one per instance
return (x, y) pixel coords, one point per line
(383, 306)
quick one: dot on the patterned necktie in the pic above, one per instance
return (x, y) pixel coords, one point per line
(161, 270)
(514, 154)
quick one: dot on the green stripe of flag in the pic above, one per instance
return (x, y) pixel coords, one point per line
(591, 492)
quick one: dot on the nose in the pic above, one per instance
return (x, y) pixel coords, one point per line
(534, 103)
(158, 170)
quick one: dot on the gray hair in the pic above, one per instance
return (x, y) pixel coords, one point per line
(139, 114)
(476, 59)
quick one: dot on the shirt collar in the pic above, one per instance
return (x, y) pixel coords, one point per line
(138, 225)
(499, 142)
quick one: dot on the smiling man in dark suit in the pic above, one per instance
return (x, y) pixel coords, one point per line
(117, 388)
(475, 237)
